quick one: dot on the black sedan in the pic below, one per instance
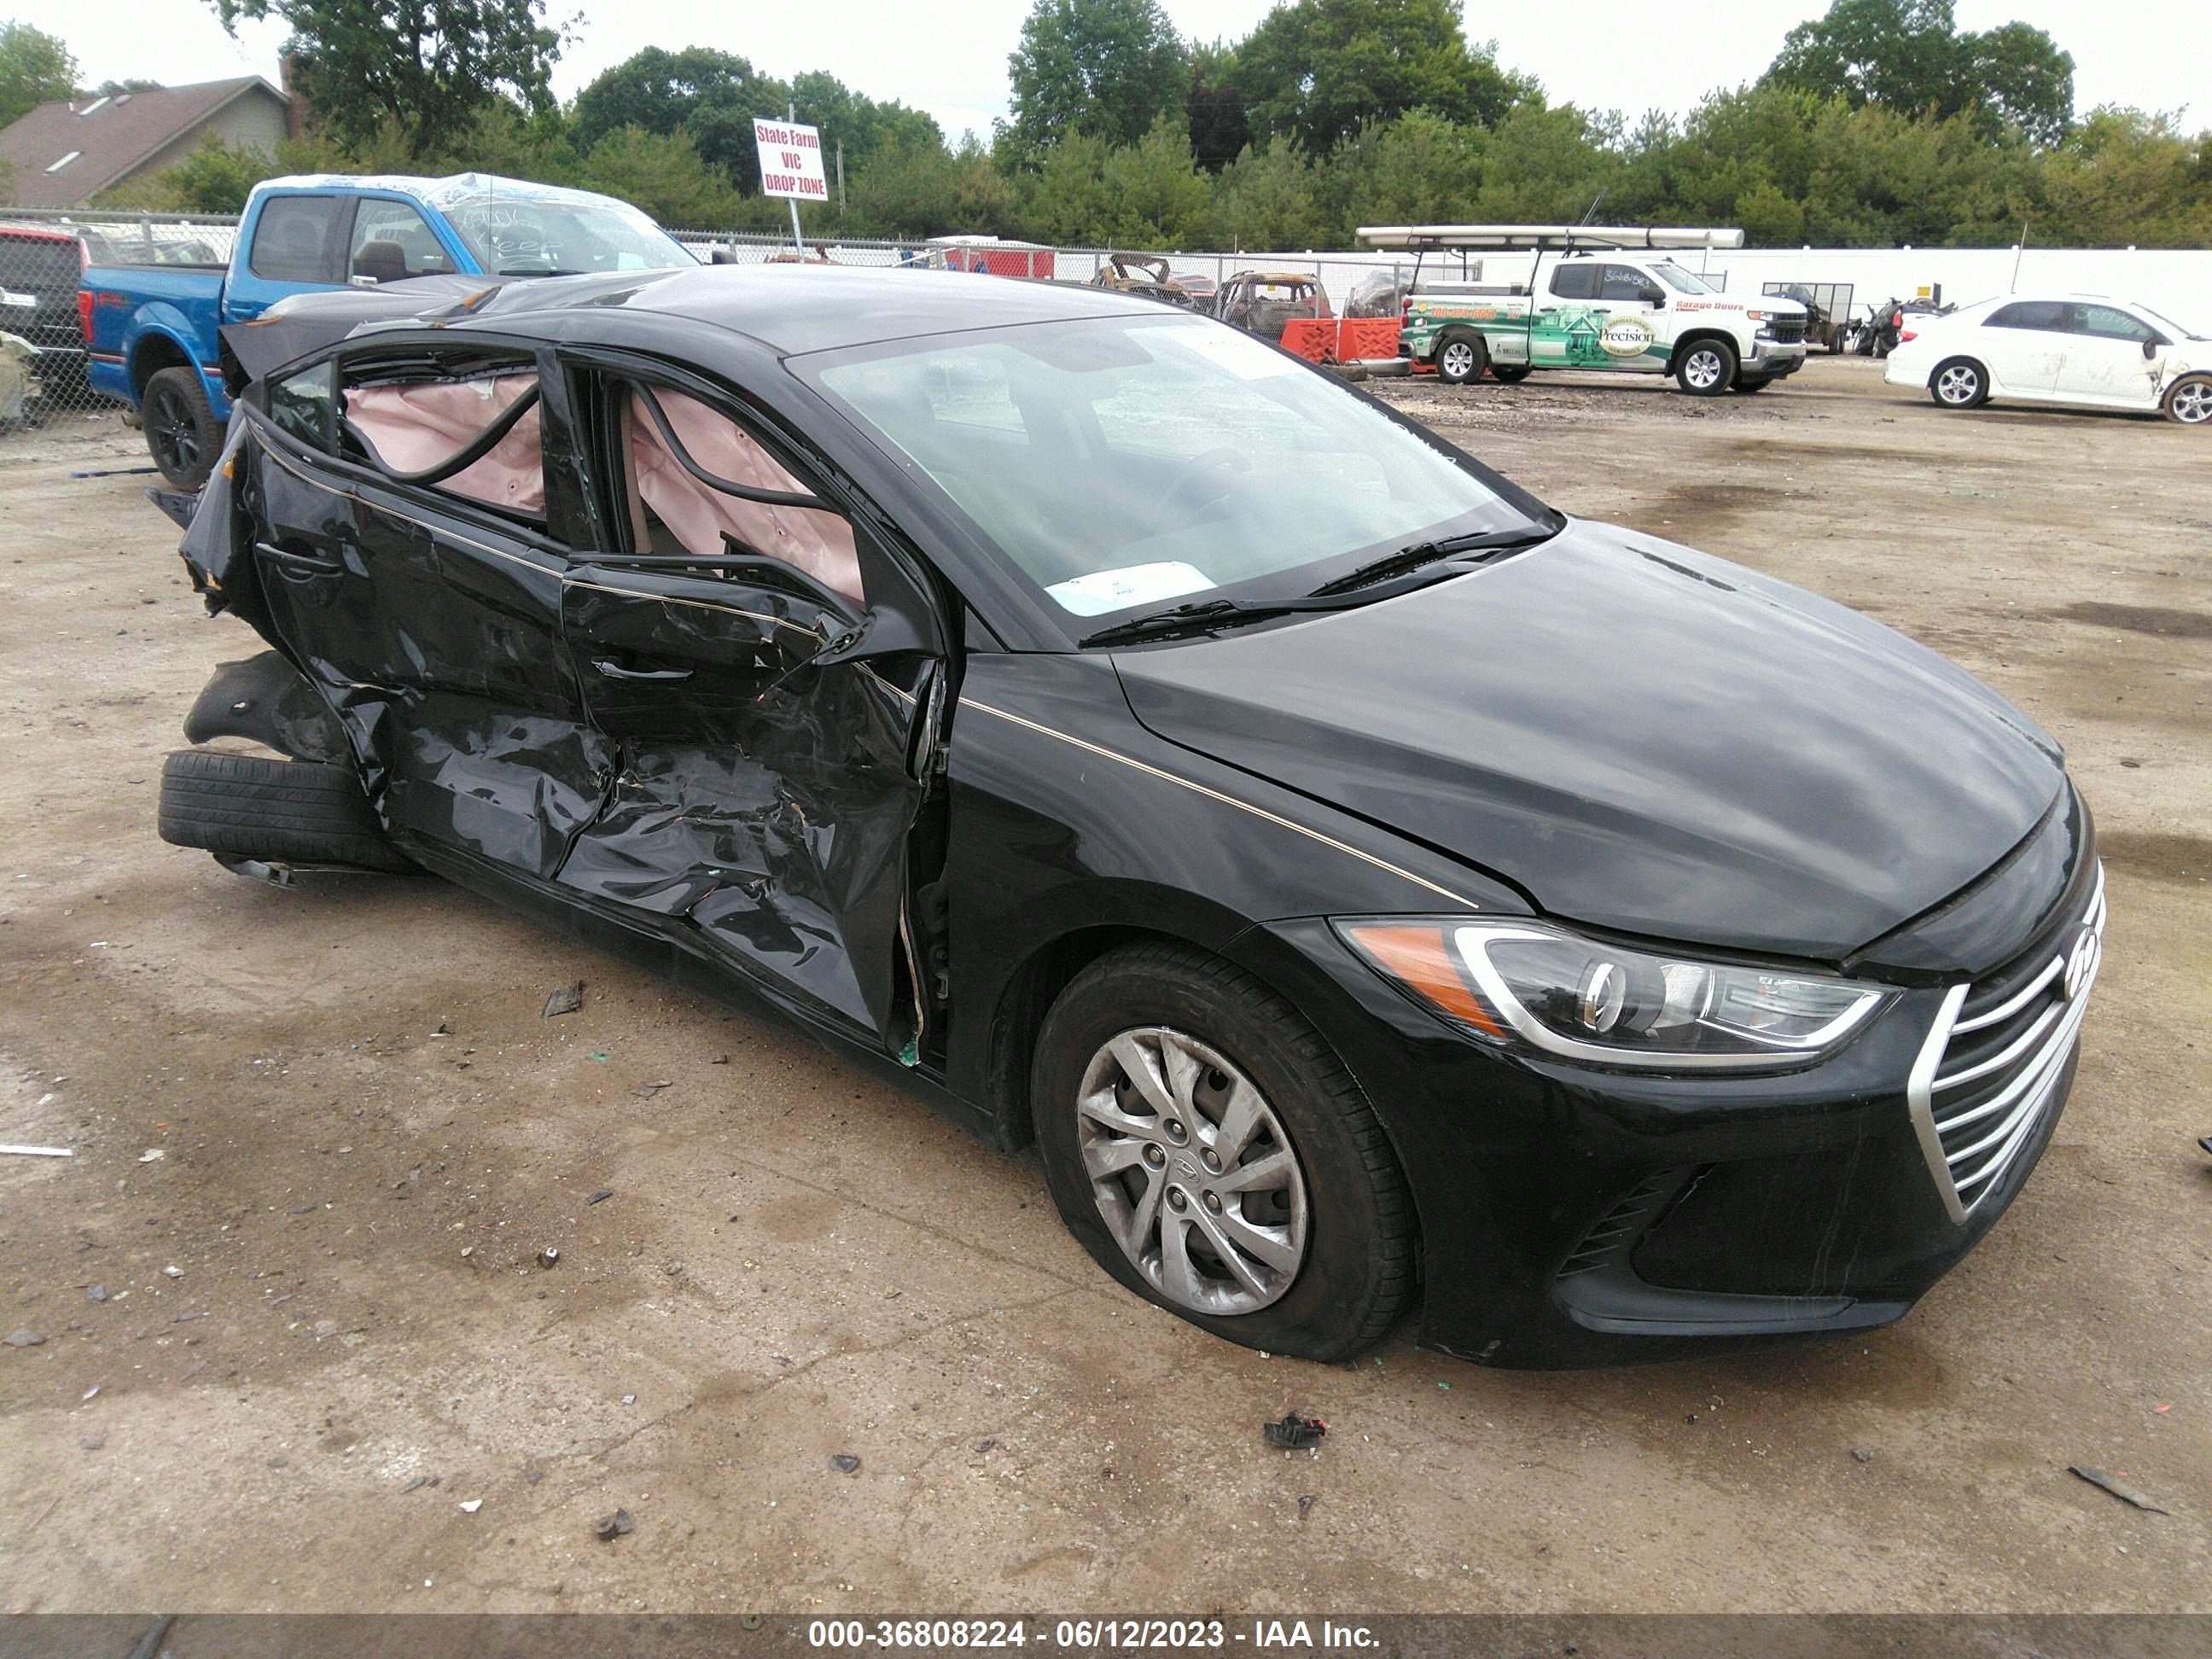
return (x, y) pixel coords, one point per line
(1366, 885)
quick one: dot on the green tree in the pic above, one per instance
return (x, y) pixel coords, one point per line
(1067, 199)
(857, 122)
(664, 175)
(1161, 200)
(1109, 68)
(1322, 69)
(35, 69)
(909, 188)
(1215, 108)
(711, 95)
(427, 66)
(1909, 56)
(1268, 198)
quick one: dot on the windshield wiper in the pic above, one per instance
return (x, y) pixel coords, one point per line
(1202, 617)
(1426, 553)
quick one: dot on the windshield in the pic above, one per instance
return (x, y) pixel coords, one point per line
(1681, 281)
(523, 236)
(1120, 462)
(2169, 324)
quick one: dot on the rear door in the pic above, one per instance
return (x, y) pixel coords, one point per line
(296, 241)
(2021, 342)
(2110, 357)
(767, 668)
(410, 542)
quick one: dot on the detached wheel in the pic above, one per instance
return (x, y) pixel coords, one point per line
(1209, 1149)
(284, 811)
(1706, 367)
(1512, 376)
(1962, 383)
(181, 433)
(2188, 401)
(1460, 358)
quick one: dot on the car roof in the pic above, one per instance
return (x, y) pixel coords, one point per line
(795, 309)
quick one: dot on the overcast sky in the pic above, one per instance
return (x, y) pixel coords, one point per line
(1630, 55)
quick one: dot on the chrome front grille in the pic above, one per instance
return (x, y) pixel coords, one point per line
(1988, 1075)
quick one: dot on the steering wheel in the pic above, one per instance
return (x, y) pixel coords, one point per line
(1216, 465)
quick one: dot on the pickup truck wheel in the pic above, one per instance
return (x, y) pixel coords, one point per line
(286, 812)
(1208, 1148)
(1460, 358)
(1962, 383)
(181, 433)
(1753, 385)
(1512, 376)
(1706, 367)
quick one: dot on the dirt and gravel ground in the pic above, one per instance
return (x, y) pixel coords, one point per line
(324, 1331)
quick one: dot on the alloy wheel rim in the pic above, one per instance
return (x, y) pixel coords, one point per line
(1192, 1172)
(2192, 404)
(1703, 369)
(1458, 359)
(172, 423)
(1957, 386)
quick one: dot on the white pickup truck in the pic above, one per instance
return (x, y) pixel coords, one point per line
(1604, 298)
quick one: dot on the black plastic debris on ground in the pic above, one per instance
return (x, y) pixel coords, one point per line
(845, 1463)
(608, 1528)
(566, 1001)
(1295, 1433)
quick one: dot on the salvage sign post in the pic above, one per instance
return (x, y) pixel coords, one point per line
(790, 167)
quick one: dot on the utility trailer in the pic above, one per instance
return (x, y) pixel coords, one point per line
(1598, 298)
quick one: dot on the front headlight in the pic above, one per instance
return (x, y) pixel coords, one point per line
(1528, 984)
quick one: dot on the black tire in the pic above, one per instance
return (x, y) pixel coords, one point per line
(1511, 375)
(2188, 401)
(1706, 367)
(1358, 1271)
(1746, 383)
(181, 432)
(1462, 355)
(286, 812)
(1958, 383)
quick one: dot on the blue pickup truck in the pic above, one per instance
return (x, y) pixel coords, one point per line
(154, 334)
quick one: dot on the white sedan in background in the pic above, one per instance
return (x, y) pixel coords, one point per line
(2070, 349)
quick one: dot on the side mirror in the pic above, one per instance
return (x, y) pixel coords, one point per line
(1656, 296)
(2150, 348)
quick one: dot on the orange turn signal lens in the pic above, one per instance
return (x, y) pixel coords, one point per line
(1421, 958)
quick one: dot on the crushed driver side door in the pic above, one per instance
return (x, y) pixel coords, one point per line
(767, 670)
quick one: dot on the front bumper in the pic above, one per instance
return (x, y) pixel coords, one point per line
(1570, 1217)
(1774, 358)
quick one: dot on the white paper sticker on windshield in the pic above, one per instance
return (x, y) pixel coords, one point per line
(1110, 590)
(1234, 350)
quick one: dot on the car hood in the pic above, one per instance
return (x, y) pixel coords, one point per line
(1640, 737)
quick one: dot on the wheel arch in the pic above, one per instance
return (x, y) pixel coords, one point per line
(154, 352)
(1693, 336)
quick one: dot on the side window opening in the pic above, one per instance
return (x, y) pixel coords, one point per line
(680, 462)
(470, 428)
(391, 241)
(292, 237)
(1575, 280)
(1623, 284)
(300, 404)
(2046, 315)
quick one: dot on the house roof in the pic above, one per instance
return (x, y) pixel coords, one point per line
(107, 138)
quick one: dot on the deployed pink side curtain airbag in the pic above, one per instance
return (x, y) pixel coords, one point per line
(416, 427)
(697, 514)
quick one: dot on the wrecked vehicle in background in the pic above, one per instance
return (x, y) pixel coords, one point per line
(1142, 274)
(1263, 302)
(1347, 869)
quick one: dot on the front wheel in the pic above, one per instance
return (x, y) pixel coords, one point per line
(2188, 401)
(1461, 358)
(1706, 367)
(1754, 385)
(1208, 1148)
(1509, 376)
(181, 434)
(1962, 383)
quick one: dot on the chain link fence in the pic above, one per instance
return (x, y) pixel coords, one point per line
(44, 253)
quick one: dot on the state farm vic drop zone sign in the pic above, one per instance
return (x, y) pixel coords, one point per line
(790, 160)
